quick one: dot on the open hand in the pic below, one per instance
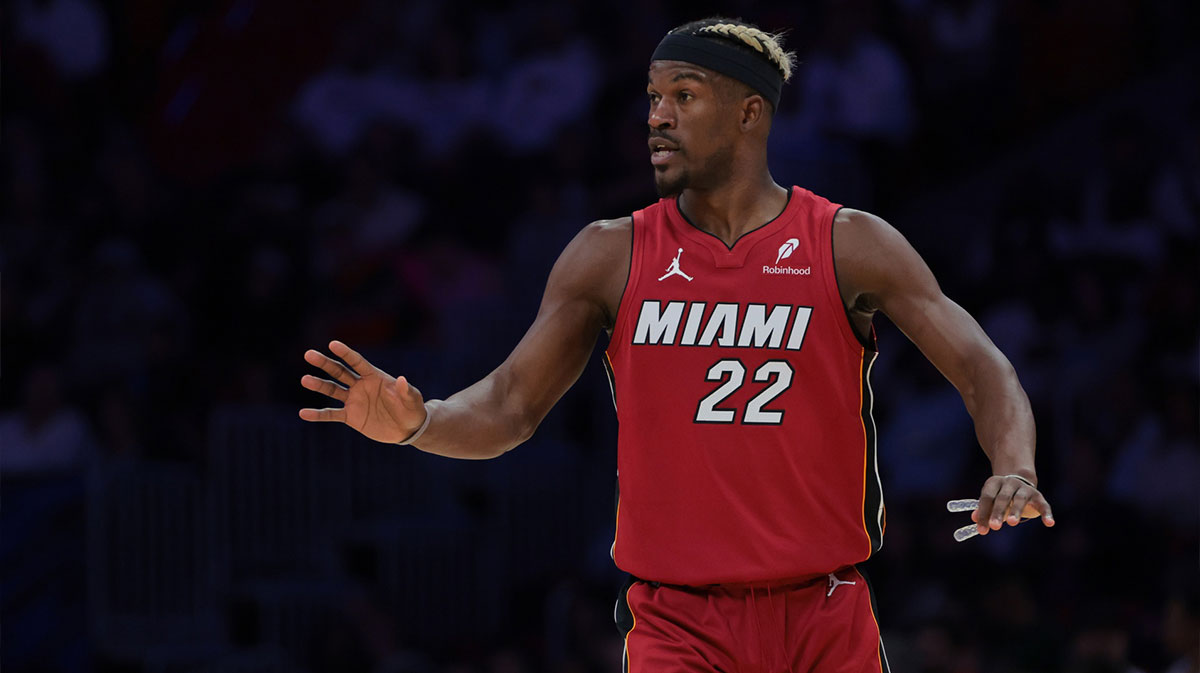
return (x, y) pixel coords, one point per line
(379, 406)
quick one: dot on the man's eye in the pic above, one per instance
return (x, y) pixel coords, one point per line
(684, 97)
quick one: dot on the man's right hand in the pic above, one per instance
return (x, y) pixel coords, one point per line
(381, 407)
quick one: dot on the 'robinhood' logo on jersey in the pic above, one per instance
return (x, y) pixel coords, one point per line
(787, 249)
(727, 324)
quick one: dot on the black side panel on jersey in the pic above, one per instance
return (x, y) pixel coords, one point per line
(873, 512)
(612, 379)
(623, 616)
(616, 497)
(883, 662)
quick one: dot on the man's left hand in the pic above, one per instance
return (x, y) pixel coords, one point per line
(1006, 498)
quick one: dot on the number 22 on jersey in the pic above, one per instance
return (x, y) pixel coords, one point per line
(732, 373)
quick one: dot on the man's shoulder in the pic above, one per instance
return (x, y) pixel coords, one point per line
(596, 263)
(601, 243)
(612, 234)
(620, 224)
(852, 222)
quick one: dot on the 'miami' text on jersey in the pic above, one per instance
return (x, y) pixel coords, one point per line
(746, 445)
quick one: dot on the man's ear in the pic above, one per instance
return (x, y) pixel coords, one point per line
(753, 112)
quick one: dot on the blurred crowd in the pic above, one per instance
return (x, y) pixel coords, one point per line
(196, 192)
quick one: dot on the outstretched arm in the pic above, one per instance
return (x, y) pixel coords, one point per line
(505, 407)
(879, 270)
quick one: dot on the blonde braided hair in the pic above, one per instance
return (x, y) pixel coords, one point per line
(765, 43)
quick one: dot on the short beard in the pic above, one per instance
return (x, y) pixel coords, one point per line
(717, 170)
(675, 187)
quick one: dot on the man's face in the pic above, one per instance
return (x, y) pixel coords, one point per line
(692, 126)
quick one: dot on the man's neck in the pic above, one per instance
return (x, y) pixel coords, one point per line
(735, 208)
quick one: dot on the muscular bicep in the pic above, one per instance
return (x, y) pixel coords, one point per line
(885, 273)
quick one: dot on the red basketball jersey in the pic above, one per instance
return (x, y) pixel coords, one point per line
(746, 446)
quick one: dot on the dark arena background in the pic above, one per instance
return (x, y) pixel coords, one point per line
(194, 193)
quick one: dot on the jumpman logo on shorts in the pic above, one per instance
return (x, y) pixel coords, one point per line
(834, 583)
(673, 270)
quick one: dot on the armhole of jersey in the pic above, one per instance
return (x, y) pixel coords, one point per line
(635, 257)
(835, 295)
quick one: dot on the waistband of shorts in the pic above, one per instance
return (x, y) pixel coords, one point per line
(784, 584)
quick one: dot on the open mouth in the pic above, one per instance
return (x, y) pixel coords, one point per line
(660, 152)
(659, 157)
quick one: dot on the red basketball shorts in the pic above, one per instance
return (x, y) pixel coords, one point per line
(817, 626)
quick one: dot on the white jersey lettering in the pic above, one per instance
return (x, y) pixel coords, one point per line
(724, 320)
(759, 329)
(656, 326)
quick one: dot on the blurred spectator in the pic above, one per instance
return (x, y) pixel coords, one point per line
(1175, 198)
(47, 434)
(118, 312)
(1157, 467)
(1116, 198)
(855, 84)
(73, 34)
(556, 88)
(963, 34)
(373, 213)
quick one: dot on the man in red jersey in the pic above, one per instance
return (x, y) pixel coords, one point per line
(739, 316)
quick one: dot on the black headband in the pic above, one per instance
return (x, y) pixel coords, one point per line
(725, 58)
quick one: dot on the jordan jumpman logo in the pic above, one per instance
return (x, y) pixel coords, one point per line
(834, 583)
(673, 270)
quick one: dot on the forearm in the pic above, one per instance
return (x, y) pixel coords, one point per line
(475, 424)
(1003, 418)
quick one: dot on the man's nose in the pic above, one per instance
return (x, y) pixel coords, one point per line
(661, 117)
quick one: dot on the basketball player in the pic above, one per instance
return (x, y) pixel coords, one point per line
(748, 490)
